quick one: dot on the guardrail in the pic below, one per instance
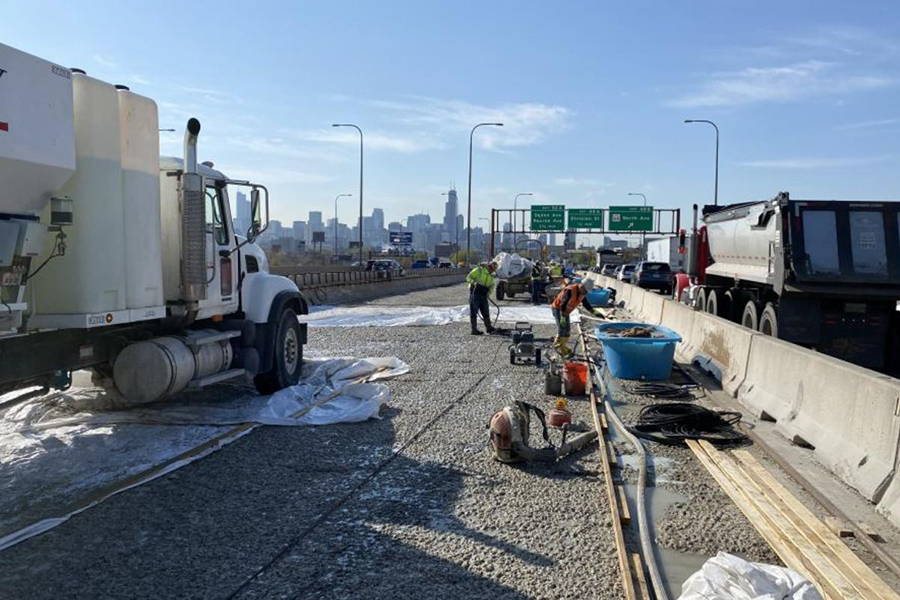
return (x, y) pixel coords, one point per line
(308, 277)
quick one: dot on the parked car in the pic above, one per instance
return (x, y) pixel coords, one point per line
(446, 264)
(421, 264)
(624, 272)
(386, 266)
(653, 276)
(608, 270)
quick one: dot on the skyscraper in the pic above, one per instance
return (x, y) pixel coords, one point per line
(451, 212)
(242, 217)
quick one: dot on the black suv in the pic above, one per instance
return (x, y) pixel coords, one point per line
(653, 276)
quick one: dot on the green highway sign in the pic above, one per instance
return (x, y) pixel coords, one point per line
(548, 217)
(631, 218)
(586, 218)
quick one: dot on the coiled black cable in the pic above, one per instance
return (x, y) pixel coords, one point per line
(674, 422)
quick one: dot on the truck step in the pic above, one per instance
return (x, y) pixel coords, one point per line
(216, 377)
(199, 339)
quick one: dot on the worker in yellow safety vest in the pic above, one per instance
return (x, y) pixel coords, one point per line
(481, 284)
(556, 270)
(571, 297)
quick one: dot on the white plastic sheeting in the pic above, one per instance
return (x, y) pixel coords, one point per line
(511, 265)
(411, 316)
(66, 451)
(727, 577)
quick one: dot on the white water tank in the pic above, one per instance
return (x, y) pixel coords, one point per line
(37, 143)
(90, 278)
(139, 138)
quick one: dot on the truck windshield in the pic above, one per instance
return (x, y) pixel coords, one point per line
(820, 239)
(867, 242)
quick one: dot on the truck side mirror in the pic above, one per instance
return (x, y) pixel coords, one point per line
(255, 216)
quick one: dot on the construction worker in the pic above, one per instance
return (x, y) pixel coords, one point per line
(571, 297)
(481, 284)
(538, 282)
(555, 270)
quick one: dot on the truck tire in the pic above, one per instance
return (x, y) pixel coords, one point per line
(750, 316)
(288, 355)
(712, 302)
(730, 301)
(768, 321)
(700, 300)
(501, 291)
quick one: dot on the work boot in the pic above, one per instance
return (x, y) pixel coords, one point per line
(489, 329)
(478, 332)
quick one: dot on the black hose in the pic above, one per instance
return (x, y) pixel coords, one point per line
(674, 422)
(664, 390)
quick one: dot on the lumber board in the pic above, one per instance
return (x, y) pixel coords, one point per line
(785, 551)
(869, 584)
(638, 566)
(839, 527)
(624, 512)
(603, 422)
(621, 551)
(830, 580)
(611, 453)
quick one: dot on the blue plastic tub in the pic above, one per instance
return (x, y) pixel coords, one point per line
(638, 358)
(598, 297)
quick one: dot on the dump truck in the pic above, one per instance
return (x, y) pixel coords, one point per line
(115, 259)
(822, 274)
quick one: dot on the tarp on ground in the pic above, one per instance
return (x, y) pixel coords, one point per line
(727, 577)
(63, 450)
(413, 316)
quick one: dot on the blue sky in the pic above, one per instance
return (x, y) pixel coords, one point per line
(593, 94)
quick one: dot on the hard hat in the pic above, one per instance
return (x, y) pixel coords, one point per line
(588, 284)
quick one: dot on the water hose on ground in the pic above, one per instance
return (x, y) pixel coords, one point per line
(643, 527)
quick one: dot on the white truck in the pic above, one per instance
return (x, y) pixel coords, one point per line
(116, 259)
(668, 250)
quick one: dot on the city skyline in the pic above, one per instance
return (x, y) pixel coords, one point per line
(591, 112)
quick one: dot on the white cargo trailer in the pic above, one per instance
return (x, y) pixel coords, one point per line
(115, 259)
(666, 250)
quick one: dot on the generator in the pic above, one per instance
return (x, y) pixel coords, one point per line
(523, 350)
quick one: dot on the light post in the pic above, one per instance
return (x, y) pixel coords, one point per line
(716, 193)
(469, 211)
(356, 127)
(335, 219)
(644, 196)
(515, 202)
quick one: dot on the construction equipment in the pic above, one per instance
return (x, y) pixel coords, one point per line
(510, 432)
(822, 274)
(523, 350)
(115, 259)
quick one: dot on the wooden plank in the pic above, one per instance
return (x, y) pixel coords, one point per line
(611, 453)
(863, 578)
(638, 565)
(624, 512)
(839, 527)
(621, 551)
(787, 553)
(603, 424)
(831, 580)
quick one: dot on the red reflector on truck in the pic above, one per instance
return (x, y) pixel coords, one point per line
(4, 126)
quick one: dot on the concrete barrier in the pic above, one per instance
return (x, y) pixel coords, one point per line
(719, 347)
(343, 294)
(652, 309)
(847, 413)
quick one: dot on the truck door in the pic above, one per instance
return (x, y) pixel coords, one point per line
(221, 264)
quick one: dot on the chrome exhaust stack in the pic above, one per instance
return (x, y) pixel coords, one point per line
(193, 220)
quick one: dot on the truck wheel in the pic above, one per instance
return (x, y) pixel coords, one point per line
(750, 316)
(501, 291)
(700, 300)
(288, 356)
(712, 302)
(730, 304)
(768, 321)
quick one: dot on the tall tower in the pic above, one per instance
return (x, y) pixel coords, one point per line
(451, 212)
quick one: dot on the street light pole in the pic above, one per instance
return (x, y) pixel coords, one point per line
(356, 127)
(644, 196)
(716, 193)
(515, 203)
(335, 219)
(469, 212)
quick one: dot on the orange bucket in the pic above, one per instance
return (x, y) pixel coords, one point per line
(575, 375)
